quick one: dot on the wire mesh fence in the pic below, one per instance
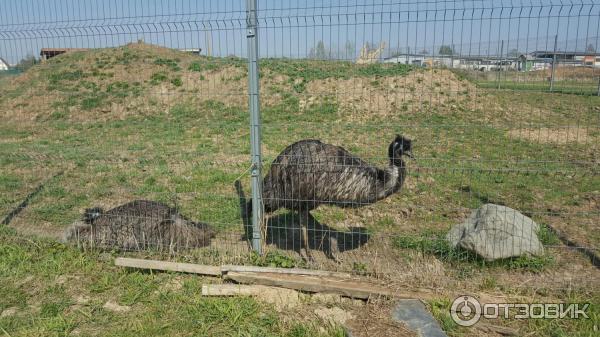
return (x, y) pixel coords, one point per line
(143, 107)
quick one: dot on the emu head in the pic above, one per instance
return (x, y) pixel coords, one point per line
(91, 214)
(399, 147)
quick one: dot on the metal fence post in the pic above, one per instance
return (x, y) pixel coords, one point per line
(553, 64)
(255, 142)
(500, 64)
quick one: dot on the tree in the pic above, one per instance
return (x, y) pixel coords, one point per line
(590, 48)
(318, 52)
(27, 62)
(514, 53)
(446, 50)
(349, 50)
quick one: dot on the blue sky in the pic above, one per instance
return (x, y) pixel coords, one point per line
(291, 28)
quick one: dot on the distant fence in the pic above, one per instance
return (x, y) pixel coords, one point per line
(177, 101)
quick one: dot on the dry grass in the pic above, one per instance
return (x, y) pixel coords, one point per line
(553, 135)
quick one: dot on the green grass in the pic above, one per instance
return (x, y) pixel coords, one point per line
(275, 259)
(158, 77)
(177, 81)
(44, 282)
(202, 66)
(530, 81)
(309, 70)
(569, 87)
(173, 65)
(440, 309)
(436, 244)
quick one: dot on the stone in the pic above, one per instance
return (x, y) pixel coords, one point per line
(416, 317)
(497, 232)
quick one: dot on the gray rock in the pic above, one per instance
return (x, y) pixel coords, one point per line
(497, 232)
(416, 317)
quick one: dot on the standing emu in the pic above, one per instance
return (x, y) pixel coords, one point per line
(309, 173)
(138, 225)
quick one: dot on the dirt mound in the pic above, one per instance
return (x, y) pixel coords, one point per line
(364, 97)
(143, 79)
(115, 82)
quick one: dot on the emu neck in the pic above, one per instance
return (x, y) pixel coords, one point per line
(396, 173)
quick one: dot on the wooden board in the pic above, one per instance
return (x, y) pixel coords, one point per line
(296, 271)
(237, 289)
(168, 266)
(315, 284)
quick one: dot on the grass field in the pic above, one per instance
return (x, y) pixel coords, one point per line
(568, 80)
(147, 122)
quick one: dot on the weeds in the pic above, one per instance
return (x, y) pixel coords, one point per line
(157, 78)
(274, 259)
(202, 66)
(309, 70)
(172, 64)
(177, 81)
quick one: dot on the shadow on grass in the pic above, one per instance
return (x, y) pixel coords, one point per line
(284, 231)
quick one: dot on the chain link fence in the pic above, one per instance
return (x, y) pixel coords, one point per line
(134, 117)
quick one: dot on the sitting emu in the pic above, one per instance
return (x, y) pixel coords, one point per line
(309, 173)
(138, 225)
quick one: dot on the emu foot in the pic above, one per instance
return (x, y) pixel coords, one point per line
(306, 255)
(333, 249)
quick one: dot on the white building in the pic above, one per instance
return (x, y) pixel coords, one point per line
(425, 60)
(3, 65)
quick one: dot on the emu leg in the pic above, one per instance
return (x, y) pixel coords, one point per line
(304, 226)
(331, 247)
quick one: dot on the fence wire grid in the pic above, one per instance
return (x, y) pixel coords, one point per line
(383, 124)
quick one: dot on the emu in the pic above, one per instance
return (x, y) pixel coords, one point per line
(309, 173)
(138, 225)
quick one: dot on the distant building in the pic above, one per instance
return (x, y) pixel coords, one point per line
(481, 63)
(567, 58)
(195, 51)
(423, 60)
(48, 53)
(412, 59)
(4, 66)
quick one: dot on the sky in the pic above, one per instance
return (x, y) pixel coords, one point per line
(291, 28)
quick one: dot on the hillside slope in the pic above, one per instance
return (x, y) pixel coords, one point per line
(142, 79)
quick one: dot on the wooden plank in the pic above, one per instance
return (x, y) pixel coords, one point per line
(168, 266)
(316, 284)
(237, 289)
(295, 271)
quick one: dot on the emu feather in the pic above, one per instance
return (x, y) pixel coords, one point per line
(310, 173)
(137, 225)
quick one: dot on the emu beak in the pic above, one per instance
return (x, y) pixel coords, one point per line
(410, 155)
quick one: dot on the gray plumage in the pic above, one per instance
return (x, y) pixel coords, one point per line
(310, 173)
(139, 225)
